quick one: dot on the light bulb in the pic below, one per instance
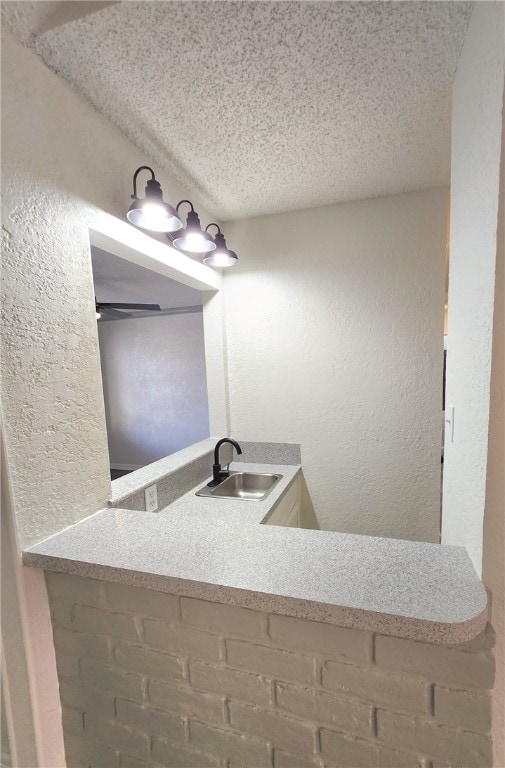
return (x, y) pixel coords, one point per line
(154, 216)
(194, 242)
(220, 259)
(155, 213)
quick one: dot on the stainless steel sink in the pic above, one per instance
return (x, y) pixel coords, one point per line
(242, 485)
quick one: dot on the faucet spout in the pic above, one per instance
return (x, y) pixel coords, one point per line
(218, 474)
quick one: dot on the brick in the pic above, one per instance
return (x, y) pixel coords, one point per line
(150, 720)
(399, 691)
(67, 665)
(229, 682)
(185, 701)
(111, 681)
(323, 708)
(437, 663)
(80, 645)
(148, 662)
(467, 750)
(101, 763)
(273, 662)
(221, 618)
(464, 708)
(316, 637)
(117, 737)
(76, 755)
(392, 758)
(183, 641)
(344, 751)
(101, 622)
(285, 760)
(87, 700)
(142, 602)
(62, 613)
(181, 756)
(284, 732)
(229, 745)
(74, 589)
(130, 761)
(72, 720)
(85, 753)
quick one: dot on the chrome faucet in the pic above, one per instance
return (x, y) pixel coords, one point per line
(218, 474)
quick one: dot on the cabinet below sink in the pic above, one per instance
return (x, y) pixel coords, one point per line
(288, 510)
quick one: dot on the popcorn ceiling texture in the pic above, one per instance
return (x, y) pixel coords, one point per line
(147, 678)
(272, 106)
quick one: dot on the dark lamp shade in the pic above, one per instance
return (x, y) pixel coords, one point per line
(193, 239)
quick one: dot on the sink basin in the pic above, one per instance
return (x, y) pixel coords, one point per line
(242, 485)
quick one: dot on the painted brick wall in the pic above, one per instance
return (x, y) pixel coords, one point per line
(148, 678)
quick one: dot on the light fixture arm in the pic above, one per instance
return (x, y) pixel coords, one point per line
(185, 201)
(212, 224)
(142, 168)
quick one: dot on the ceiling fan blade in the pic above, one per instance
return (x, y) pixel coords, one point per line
(129, 305)
(109, 312)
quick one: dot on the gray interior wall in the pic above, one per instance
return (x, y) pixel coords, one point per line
(155, 388)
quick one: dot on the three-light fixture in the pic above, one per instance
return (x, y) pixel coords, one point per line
(153, 213)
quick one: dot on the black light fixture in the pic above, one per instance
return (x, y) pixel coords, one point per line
(221, 256)
(193, 239)
(151, 212)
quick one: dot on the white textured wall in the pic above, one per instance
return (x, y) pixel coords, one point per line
(476, 146)
(334, 327)
(64, 169)
(155, 388)
(493, 565)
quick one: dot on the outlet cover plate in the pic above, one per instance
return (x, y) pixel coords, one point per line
(151, 495)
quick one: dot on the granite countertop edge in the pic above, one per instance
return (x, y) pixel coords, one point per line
(407, 627)
(186, 524)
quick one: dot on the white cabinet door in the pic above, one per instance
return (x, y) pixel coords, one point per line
(293, 519)
(287, 511)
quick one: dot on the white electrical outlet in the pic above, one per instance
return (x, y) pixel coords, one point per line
(151, 495)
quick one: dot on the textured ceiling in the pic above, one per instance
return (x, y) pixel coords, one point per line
(259, 107)
(116, 279)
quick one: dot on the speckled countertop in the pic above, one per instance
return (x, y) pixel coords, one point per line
(217, 549)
